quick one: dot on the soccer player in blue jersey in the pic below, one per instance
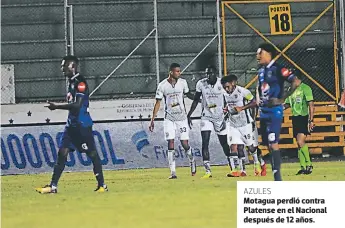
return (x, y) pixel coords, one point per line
(78, 130)
(270, 98)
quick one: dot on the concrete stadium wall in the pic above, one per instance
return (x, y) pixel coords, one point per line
(33, 40)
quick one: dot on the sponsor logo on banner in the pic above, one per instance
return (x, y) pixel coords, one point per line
(121, 145)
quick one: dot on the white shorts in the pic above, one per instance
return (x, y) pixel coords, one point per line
(170, 128)
(241, 135)
(207, 125)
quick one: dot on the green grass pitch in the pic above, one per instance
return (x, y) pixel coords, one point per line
(137, 198)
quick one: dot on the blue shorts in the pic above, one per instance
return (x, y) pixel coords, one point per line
(78, 138)
(270, 124)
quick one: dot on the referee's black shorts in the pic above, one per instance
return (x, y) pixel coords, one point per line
(300, 125)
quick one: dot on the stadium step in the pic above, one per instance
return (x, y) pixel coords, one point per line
(42, 69)
(18, 11)
(328, 135)
(96, 29)
(119, 46)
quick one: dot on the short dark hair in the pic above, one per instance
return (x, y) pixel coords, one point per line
(229, 78)
(269, 48)
(174, 65)
(71, 58)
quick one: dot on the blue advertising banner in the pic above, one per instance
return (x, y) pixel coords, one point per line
(121, 145)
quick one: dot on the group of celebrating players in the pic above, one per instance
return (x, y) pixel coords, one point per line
(227, 108)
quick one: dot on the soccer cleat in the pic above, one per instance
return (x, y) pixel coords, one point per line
(172, 177)
(207, 175)
(193, 168)
(257, 169)
(103, 188)
(309, 169)
(47, 189)
(234, 173)
(263, 170)
(243, 174)
(301, 172)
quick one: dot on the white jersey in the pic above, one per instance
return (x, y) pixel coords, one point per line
(175, 109)
(240, 97)
(212, 99)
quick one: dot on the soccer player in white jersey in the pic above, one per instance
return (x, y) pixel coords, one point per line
(172, 89)
(240, 125)
(212, 117)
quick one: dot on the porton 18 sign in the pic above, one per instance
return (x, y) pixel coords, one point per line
(280, 19)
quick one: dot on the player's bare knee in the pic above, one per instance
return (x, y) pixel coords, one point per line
(274, 146)
(62, 156)
(205, 143)
(233, 148)
(300, 139)
(171, 145)
(93, 154)
(63, 152)
(241, 152)
(272, 139)
(252, 149)
(185, 144)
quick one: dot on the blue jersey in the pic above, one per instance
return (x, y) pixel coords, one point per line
(271, 83)
(79, 88)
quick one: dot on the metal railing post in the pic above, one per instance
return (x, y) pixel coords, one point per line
(155, 25)
(342, 40)
(71, 30)
(219, 41)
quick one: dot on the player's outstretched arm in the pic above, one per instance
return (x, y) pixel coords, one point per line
(257, 95)
(249, 97)
(190, 95)
(154, 114)
(287, 103)
(196, 100)
(74, 107)
(254, 112)
(292, 89)
(252, 104)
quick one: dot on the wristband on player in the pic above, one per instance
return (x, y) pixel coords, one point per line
(310, 121)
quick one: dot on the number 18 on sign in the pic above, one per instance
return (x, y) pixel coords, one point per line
(280, 19)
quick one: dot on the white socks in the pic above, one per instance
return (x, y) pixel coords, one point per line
(171, 159)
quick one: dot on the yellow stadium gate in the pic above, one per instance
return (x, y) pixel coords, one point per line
(304, 32)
